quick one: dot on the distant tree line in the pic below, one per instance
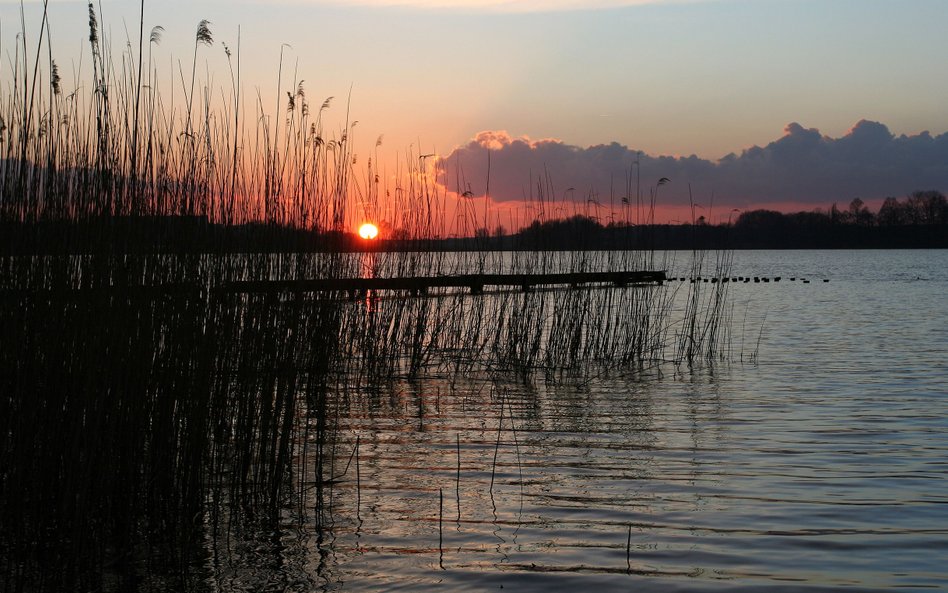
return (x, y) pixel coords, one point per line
(918, 221)
(922, 208)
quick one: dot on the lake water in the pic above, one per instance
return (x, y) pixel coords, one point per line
(815, 458)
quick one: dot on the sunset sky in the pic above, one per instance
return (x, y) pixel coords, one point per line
(815, 101)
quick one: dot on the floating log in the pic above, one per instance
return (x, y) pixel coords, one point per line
(473, 282)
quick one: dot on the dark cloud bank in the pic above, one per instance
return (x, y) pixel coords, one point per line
(802, 167)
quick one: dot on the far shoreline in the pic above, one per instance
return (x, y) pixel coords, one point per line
(196, 235)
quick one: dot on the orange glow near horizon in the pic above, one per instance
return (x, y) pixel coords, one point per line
(368, 231)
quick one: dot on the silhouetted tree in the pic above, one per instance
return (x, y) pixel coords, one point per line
(576, 232)
(836, 217)
(860, 214)
(891, 213)
(928, 207)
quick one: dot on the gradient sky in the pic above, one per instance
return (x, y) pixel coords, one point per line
(705, 77)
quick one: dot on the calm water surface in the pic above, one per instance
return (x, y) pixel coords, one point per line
(821, 464)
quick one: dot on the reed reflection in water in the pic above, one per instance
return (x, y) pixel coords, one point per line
(661, 484)
(146, 410)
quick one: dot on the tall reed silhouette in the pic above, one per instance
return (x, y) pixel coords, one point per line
(142, 404)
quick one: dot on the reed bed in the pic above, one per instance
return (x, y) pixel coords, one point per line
(141, 408)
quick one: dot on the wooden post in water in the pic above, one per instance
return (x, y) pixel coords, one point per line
(459, 477)
(358, 481)
(441, 528)
(628, 551)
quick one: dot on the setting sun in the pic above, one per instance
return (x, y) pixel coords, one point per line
(368, 231)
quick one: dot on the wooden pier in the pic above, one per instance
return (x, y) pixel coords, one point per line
(476, 283)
